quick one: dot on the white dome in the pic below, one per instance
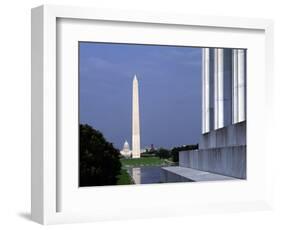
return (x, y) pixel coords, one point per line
(126, 146)
(126, 152)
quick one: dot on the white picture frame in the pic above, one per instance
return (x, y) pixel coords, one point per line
(253, 194)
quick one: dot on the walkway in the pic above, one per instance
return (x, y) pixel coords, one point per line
(192, 174)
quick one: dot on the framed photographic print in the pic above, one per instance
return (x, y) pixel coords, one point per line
(129, 108)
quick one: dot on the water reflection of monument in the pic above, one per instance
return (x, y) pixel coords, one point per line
(136, 150)
(136, 175)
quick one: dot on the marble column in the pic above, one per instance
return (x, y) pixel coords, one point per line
(218, 88)
(239, 86)
(207, 90)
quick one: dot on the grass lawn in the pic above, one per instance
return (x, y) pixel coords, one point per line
(143, 161)
(124, 178)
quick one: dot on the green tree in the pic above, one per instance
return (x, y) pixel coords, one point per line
(175, 154)
(99, 162)
(163, 153)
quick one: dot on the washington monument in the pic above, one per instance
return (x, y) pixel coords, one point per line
(135, 120)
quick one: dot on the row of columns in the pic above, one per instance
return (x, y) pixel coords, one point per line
(223, 87)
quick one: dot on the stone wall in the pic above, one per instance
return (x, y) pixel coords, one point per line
(231, 135)
(228, 161)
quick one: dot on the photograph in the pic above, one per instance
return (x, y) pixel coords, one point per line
(144, 112)
(151, 114)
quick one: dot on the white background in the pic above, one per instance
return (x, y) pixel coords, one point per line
(15, 113)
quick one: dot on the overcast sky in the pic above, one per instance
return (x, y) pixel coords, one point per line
(169, 86)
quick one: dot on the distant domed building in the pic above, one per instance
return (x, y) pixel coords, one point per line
(126, 152)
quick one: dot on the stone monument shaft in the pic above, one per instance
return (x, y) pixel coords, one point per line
(135, 120)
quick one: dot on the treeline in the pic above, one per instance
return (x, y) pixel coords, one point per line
(172, 154)
(99, 161)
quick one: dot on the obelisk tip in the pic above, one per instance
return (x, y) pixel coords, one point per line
(135, 77)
